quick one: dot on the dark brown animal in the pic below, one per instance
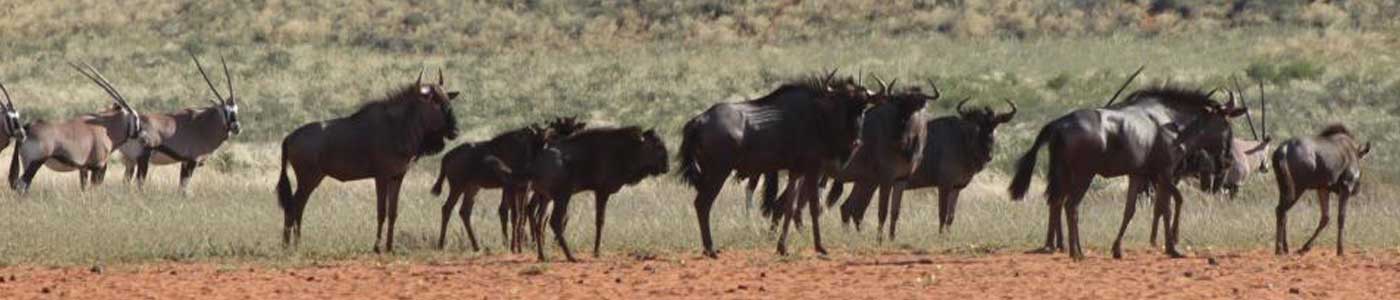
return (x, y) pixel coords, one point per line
(602, 160)
(1123, 139)
(380, 141)
(1329, 163)
(83, 143)
(957, 148)
(796, 128)
(501, 162)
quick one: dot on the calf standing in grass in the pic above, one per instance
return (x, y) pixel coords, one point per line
(1328, 163)
(602, 160)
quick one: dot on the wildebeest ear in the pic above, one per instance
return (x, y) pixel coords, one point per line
(1364, 150)
(453, 95)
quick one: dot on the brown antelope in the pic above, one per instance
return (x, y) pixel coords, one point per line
(81, 143)
(187, 136)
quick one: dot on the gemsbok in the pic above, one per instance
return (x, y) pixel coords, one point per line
(381, 141)
(83, 143)
(187, 136)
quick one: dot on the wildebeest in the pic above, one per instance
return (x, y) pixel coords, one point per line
(187, 136)
(602, 160)
(957, 148)
(381, 140)
(797, 128)
(83, 143)
(1126, 138)
(1329, 163)
(501, 162)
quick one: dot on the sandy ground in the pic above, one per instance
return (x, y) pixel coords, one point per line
(1242, 275)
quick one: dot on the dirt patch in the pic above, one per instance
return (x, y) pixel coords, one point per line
(1247, 275)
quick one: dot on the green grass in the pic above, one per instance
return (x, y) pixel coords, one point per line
(529, 61)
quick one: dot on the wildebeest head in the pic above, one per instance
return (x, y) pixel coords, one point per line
(652, 158)
(433, 106)
(891, 135)
(982, 123)
(1350, 180)
(227, 107)
(13, 127)
(1211, 131)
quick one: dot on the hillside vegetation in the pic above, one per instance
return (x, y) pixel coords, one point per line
(657, 63)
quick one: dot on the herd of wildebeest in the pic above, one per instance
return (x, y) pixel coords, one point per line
(818, 130)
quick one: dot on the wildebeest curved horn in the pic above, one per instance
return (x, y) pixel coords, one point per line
(832, 75)
(1125, 85)
(1013, 108)
(1212, 92)
(892, 82)
(440, 80)
(420, 76)
(960, 105)
(880, 82)
(200, 66)
(936, 93)
(228, 79)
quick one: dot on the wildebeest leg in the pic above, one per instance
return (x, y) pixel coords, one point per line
(392, 195)
(307, 181)
(186, 172)
(468, 204)
(1054, 240)
(1286, 200)
(512, 214)
(783, 213)
(381, 187)
(600, 212)
(453, 192)
(853, 211)
(749, 188)
(1341, 221)
(882, 212)
(896, 202)
(1076, 196)
(1322, 205)
(503, 213)
(834, 194)
(705, 193)
(812, 196)
(538, 205)
(1174, 234)
(1135, 186)
(788, 209)
(557, 222)
(82, 178)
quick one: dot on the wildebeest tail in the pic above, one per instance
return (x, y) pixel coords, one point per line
(689, 169)
(284, 185)
(437, 185)
(1026, 165)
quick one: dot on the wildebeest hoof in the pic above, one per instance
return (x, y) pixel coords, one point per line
(1174, 254)
(821, 250)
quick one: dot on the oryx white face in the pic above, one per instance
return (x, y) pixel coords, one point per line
(231, 118)
(13, 125)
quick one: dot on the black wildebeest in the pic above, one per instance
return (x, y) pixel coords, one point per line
(1329, 163)
(381, 140)
(187, 136)
(1129, 139)
(501, 162)
(83, 143)
(957, 148)
(797, 128)
(602, 160)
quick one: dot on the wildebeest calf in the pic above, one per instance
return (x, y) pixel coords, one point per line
(602, 160)
(1328, 163)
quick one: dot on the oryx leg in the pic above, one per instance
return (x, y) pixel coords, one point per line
(186, 171)
(82, 178)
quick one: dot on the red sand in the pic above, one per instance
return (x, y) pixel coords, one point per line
(1248, 275)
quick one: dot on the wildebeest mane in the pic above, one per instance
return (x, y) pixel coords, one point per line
(814, 82)
(1173, 94)
(1334, 129)
(430, 140)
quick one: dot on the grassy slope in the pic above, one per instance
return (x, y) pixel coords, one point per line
(523, 63)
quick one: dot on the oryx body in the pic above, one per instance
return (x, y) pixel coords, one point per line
(187, 136)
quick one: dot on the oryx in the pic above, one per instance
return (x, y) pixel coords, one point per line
(187, 136)
(82, 143)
